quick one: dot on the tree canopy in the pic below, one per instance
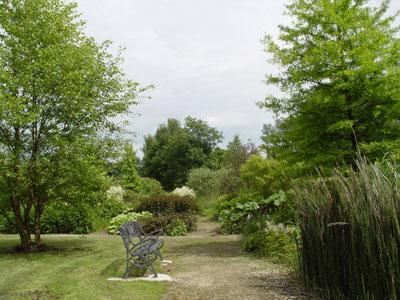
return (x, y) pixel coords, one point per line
(174, 149)
(339, 73)
(58, 91)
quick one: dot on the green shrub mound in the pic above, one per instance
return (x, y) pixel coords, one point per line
(62, 218)
(58, 217)
(350, 233)
(274, 241)
(235, 210)
(165, 204)
(119, 220)
(174, 214)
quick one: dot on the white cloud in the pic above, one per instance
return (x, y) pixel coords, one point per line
(204, 57)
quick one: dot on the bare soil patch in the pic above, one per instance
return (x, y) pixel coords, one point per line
(213, 266)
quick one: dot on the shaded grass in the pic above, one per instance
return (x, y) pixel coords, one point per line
(75, 268)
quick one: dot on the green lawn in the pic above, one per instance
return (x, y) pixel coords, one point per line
(77, 268)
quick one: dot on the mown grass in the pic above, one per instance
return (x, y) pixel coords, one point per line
(76, 267)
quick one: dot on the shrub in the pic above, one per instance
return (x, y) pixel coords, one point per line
(164, 222)
(263, 176)
(236, 209)
(205, 182)
(115, 193)
(117, 221)
(277, 242)
(170, 213)
(65, 218)
(350, 234)
(176, 228)
(165, 204)
(184, 191)
(149, 187)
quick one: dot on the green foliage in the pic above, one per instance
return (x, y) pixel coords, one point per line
(174, 150)
(119, 220)
(64, 218)
(350, 235)
(129, 169)
(150, 187)
(59, 91)
(205, 182)
(340, 77)
(236, 209)
(172, 223)
(276, 242)
(170, 213)
(59, 217)
(176, 228)
(235, 155)
(166, 204)
(264, 176)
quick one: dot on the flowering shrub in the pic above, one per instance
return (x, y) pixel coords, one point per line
(184, 191)
(117, 221)
(115, 193)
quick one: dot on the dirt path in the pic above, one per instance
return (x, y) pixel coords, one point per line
(212, 266)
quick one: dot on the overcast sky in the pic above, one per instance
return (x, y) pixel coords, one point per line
(204, 57)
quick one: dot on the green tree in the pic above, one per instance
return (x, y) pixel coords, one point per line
(235, 155)
(58, 89)
(174, 150)
(339, 63)
(128, 168)
(264, 176)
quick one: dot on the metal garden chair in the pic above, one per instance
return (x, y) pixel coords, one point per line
(142, 249)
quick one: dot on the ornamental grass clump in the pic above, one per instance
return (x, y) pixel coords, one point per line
(350, 234)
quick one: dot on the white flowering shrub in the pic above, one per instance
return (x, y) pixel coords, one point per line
(116, 193)
(184, 191)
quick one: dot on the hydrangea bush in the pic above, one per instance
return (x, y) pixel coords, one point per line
(184, 191)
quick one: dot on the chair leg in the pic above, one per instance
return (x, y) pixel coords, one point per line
(126, 274)
(151, 267)
(159, 254)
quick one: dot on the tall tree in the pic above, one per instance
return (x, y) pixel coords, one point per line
(175, 149)
(128, 168)
(57, 87)
(340, 67)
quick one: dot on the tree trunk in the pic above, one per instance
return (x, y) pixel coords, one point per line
(38, 215)
(24, 233)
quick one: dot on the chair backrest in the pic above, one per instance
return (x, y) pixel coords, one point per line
(129, 231)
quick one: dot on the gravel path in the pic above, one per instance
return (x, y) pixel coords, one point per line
(212, 266)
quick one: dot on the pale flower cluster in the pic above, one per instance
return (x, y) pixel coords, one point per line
(116, 193)
(184, 191)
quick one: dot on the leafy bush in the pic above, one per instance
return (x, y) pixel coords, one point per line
(65, 218)
(176, 228)
(166, 204)
(117, 221)
(58, 217)
(184, 191)
(235, 210)
(263, 176)
(149, 187)
(170, 213)
(277, 242)
(205, 182)
(350, 234)
(169, 221)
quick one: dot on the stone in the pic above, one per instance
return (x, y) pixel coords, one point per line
(160, 277)
(166, 265)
